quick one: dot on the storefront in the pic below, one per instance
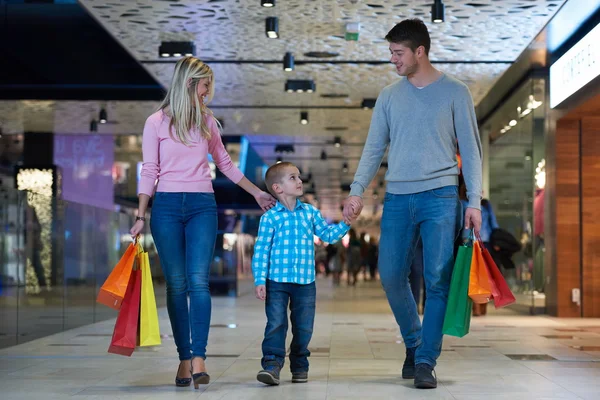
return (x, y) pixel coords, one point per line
(540, 127)
(575, 176)
(515, 161)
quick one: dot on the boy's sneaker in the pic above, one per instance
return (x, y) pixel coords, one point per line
(269, 375)
(425, 377)
(408, 369)
(300, 377)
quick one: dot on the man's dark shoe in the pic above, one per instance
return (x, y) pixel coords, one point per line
(425, 377)
(269, 375)
(300, 377)
(408, 369)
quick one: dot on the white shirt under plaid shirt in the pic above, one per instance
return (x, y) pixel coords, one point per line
(284, 250)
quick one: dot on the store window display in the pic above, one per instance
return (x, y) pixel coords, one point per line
(516, 185)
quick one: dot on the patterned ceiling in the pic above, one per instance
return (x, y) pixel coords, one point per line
(247, 94)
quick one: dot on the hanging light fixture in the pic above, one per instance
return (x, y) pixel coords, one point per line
(288, 62)
(345, 167)
(279, 159)
(103, 117)
(304, 117)
(93, 126)
(437, 12)
(272, 27)
(337, 141)
(267, 3)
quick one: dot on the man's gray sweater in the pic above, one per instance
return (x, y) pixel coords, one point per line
(422, 128)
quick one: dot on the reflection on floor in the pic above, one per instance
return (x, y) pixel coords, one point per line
(357, 353)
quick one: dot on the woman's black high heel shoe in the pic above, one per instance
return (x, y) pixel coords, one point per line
(201, 378)
(182, 382)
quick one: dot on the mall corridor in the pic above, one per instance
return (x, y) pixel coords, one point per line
(227, 148)
(356, 354)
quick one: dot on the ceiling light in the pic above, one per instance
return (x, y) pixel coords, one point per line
(279, 159)
(272, 27)
(267, 3)
(512, 122)
(304, 117)
(345, 167)
(93, 126)
(177, 49)
(437, 12)
(284, 148)
(525, 112)
(288, 62)
(337, 141)
(103, 118)
(323, 155)
(300, 86)
(368, 103)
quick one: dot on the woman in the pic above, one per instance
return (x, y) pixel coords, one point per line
(176, 143)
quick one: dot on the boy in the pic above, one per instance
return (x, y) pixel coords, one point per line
(284, 271)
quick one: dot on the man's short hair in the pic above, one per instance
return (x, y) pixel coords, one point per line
(275, 175)
(412, 33)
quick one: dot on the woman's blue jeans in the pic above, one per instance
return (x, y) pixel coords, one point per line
(184, 228)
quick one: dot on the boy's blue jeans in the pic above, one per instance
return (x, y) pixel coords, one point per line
(435, 215)
(302, 300)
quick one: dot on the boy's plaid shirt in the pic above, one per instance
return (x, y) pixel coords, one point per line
(284, 250)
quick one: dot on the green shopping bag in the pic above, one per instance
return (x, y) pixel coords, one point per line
(458, 312)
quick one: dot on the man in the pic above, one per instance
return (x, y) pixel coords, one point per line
(421, 118)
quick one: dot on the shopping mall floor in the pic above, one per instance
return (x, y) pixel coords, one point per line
(357, 353)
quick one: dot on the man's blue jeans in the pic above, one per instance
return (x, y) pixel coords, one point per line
(184, 228)
(301, 300)
(435, 215)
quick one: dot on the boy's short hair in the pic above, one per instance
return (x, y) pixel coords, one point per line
(275, 174)
(412, 33)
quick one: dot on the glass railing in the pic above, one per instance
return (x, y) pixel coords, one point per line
(55, 255)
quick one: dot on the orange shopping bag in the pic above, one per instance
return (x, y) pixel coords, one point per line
(113, 290)
(480, 289)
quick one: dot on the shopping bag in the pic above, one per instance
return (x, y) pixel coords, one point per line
(125, 333)
(458, 312)
(480, 289)
(149, 330)
(501, 293)
(112, 291)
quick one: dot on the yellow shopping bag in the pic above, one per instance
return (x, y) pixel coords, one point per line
(149, 330)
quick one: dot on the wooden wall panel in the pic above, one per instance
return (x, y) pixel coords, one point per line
(590, 185)
(568, 229)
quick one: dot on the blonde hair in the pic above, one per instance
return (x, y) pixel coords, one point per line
(186, 110)
(275, 174)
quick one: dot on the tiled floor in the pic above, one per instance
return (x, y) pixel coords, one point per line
(357, 354)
